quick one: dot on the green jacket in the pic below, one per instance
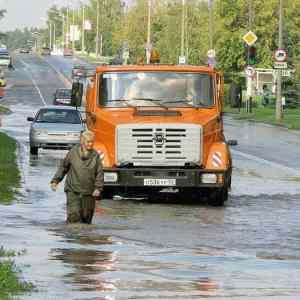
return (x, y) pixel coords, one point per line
(83, 175)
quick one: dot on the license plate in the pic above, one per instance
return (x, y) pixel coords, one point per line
(159, 182)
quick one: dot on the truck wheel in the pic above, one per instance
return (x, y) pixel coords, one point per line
(218, 196)
(34, 150)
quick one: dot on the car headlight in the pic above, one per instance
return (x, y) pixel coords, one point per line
(74, 134)
(110, 177)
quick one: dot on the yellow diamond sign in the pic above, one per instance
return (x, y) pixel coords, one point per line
(250, 38)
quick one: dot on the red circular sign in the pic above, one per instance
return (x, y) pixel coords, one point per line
(280, 55)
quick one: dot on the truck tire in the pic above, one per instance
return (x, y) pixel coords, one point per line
(34, 150)
(217, 197)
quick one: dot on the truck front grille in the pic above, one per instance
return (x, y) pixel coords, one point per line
(159, 144)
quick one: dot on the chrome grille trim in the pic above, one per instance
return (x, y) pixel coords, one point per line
(159, 144)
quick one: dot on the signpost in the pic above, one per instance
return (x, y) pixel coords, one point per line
(249, 38)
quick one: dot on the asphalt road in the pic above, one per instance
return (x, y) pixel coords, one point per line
(135, 250)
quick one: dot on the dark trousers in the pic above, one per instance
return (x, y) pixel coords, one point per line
(80, 208)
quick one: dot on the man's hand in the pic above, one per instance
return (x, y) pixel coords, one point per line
(53, 186)
(96, 193)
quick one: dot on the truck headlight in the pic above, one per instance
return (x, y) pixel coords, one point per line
(209, 178)
(110, 177)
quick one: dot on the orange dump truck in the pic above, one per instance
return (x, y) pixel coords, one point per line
(160, 129)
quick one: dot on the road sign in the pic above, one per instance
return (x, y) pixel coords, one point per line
(250, 38)
(280, 55)
(284, 72)
(87, 25)
(249, 71)
(280, 65)
(211, 53)
(182, 60)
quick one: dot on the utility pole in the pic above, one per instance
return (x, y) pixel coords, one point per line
(249, 78)
(279, 111)
(182, 28)
(73, 29)
(50, 35)
(54, 36)
(63, 30)
(210, 24)
(68, 28)
(148, 46)
(97, 30)
(83, 28)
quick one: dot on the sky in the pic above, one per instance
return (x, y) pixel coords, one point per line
(22, 13)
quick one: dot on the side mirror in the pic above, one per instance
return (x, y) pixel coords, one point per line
(77, 92)
(232, 142)
(30, 119)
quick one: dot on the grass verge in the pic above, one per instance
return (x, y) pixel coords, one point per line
(9, 172)
(4, 110)
(10, 283)
(291, 117)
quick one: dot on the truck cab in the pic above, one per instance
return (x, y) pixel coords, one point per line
(158, 128)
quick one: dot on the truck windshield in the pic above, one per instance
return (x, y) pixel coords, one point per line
(167, 89)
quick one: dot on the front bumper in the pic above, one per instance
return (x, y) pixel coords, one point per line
(53, 143)
(164, 178)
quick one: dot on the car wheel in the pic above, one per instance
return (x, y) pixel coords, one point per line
(218, 196)
(34, 150)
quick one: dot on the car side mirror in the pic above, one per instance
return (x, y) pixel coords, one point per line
(30, 119)
(77, 92)
(232, 142)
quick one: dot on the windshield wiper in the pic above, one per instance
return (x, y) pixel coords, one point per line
(178, 101)
(154, 101)
(121, 100)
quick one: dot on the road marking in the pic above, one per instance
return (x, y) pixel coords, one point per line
(33, 81)
(268, 162)
(67, 82)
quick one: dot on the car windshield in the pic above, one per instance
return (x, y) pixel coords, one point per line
(63, 94)
(58, 116)
(167, 89)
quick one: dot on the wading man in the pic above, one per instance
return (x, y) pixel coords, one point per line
(84, 181)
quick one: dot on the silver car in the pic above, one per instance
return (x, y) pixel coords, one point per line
(55, 127)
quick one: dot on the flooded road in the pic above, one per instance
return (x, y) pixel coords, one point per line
(136, 250)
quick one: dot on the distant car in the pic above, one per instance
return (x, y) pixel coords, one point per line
(79, 71)
(24, 50)
(46, 51)
(68, 52)
(55, 127)
(62, 97)
(5, 58)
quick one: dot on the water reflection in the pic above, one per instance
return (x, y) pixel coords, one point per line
(206, 287)
(87, 264)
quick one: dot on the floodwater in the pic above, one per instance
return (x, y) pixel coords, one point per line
(137, 250)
